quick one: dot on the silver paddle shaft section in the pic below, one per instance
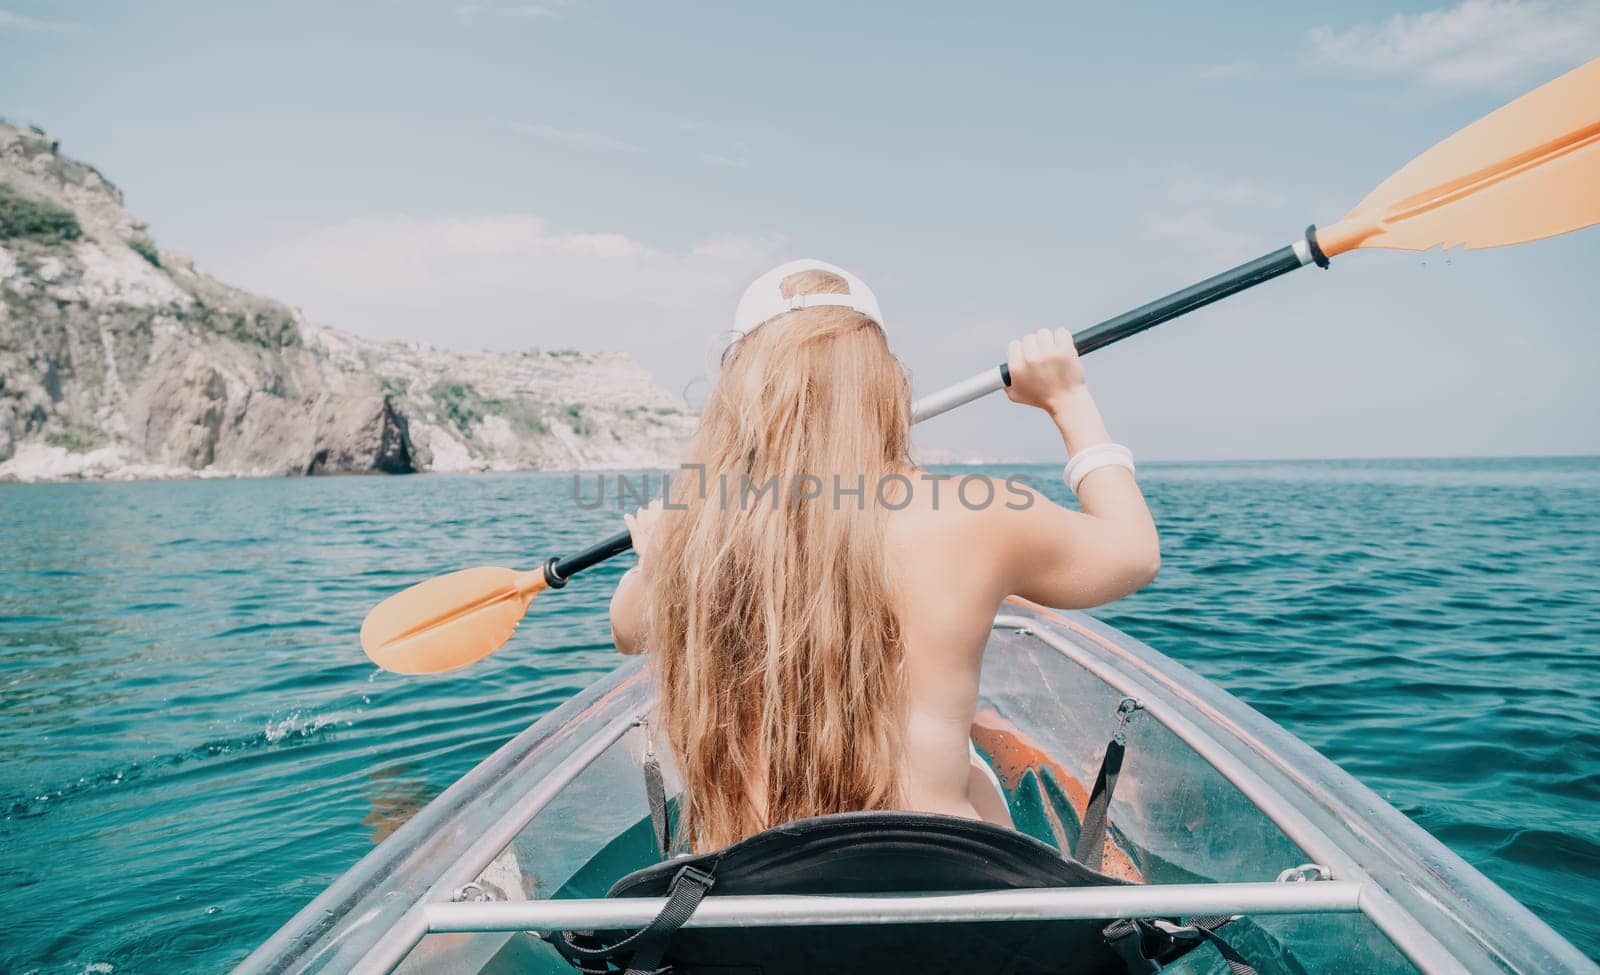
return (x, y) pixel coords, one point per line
(960, 394)
(777, 910)
(1247, 275)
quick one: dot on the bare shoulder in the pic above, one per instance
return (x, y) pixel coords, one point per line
(957, 505)
(949, 577)
(957, 520)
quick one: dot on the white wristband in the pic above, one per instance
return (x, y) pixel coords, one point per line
(1081, 464)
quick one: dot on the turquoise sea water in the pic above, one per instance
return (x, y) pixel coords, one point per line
(192, 746)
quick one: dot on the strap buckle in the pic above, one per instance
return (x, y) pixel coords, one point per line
(1305, 873)
(1126, 708)
(691, 874)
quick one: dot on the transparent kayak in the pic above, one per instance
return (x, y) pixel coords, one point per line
(1217, 811)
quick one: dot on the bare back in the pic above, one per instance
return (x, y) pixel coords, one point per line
(945, 602)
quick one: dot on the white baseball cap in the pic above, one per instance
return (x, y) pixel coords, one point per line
(764, 300)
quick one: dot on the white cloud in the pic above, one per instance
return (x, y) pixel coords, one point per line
(1201, 227)
(512, 282)
(16, 21)
(571, 137)
(1477, 43)
(1214, 214)
(747, 248)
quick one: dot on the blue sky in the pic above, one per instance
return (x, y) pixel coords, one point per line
(609, 175)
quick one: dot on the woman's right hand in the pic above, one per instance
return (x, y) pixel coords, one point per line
(642, 527)
(1045, 369)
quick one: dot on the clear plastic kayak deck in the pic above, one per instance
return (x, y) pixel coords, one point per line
(1217, 809)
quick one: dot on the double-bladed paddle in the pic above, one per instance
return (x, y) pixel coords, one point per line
(1524, 172)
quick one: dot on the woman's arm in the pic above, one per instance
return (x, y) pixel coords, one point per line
(1059, 557)
(628, 613)
(629, 604)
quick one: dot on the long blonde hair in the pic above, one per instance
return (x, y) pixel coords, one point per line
(772, 630)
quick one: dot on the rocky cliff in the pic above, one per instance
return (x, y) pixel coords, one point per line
(119, 359)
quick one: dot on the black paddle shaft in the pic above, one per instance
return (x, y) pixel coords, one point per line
(1247, 275)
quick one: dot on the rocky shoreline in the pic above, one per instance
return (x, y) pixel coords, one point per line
(120, 360)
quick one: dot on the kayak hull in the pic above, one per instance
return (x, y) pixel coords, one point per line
(1214, 799)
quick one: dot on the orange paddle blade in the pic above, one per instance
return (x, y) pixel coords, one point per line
(448, 622)
(1526, 171)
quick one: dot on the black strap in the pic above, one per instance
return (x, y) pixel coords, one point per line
(688, 888)
(1127, 937)
(582, 950)
(1210, 922)
(1236, 963)
(570, 943)
(1092, 839)
(648, 944)
(655, 790)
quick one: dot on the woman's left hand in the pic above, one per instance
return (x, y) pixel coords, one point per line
(642, 525)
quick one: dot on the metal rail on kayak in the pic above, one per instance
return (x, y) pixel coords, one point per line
(1037, 904)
